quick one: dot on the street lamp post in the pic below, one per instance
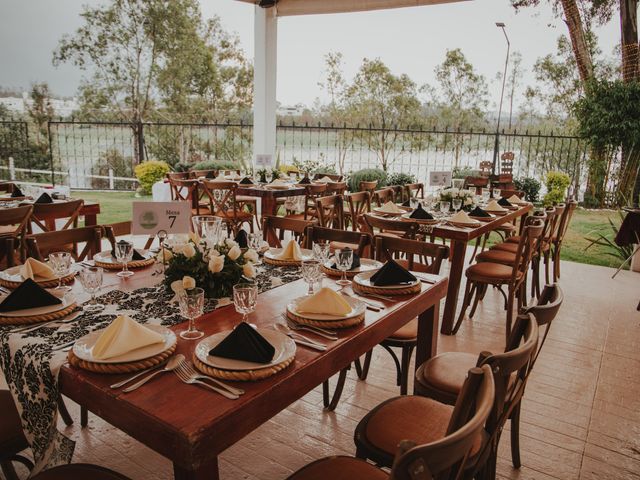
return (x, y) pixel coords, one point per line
(496, 146)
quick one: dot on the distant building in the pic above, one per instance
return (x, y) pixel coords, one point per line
(291, 111)
(61, 107)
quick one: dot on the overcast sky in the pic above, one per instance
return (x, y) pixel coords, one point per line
(409, 40)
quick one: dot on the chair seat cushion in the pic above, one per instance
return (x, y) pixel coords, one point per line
(446, 372)
(339, 468)
(79, 471)
(506, 247)
(12, 439)
(489, 270)
(407, 332)
(497, 256)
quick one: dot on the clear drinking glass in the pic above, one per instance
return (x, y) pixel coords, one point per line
(413, 203)
(310, 269)
(255, 243)
(486, 195)
(321, 251)
(496, 193)
(191, 306)
(344, 260)
(61, 264)
(444, 207)
(91, 280)
(245, 297)
(456, 203)
(124, 254)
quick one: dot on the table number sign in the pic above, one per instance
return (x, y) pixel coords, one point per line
(151, 217)
(264, 160)
(440, 179)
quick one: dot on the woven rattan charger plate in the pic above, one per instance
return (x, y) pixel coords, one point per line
(127, 367)
(331, 272)
(417, 288)
(242, 375)
(118, 266)
(43, 283)
(44, 317)
(346, 323)
(282, 263)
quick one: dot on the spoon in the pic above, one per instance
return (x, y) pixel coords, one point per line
(172, 364)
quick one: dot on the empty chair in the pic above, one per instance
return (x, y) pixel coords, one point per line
(44, 215)
(556, 244)
(114, 230)
(368, 186)
(40, 245)
(329, 211)
(275, 228)
(360, 243)
(188, 190)
(384, 195)
(333, 176)
(197, 174)
(376, 225)
(79, 471)
(358, 204)
(415, 190)
(336, 188)
(14, 225)
(224, 204)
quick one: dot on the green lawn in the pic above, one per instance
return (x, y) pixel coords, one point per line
(116, 207)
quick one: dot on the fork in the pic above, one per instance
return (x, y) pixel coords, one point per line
(372, 306)
(68, 319)
(182, 375)
(315, 329)
(304, 328)
(188, 368)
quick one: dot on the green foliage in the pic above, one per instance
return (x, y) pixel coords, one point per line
(464, 172)
(215, 165)
(557, 183)
(181, 167)
(150, 172)
(530, 186)
(262, 175)
(401, 178)
(112, 159)
(606, 241)
(367, 175)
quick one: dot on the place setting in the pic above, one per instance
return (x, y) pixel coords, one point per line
(391, 209)
(290, 255)
(122, 257)
(54, 273)
(346, 263)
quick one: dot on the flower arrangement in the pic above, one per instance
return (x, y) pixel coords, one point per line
(214, 268)
(449, 194)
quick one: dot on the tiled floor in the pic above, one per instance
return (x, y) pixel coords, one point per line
(581, 411)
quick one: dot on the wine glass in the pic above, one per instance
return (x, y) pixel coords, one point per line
(255, 243)
(91, 280)
(413, 203)
(456, 203)
(496, 193)
(321, 250)
(310, 269)
(191, 306)
(61, 264)
(344, 260)
(245, 297)
(124, 254)
(444, 207)
(486, 195)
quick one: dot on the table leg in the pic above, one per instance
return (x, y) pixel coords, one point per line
(208, 471)
(427, 345)
(269, 206)
(458, 250)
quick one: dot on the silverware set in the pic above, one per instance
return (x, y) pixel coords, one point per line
(292, 331)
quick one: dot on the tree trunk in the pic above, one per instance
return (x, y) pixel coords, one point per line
(629, 39)
(578, 39)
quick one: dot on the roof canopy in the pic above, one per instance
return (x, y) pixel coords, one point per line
(309, 7)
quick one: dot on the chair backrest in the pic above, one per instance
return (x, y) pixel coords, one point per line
(274, 228)
(204, 173)
(40, 245)
(186, 190)
(383, 196)
(406, 229)
(565, 220)
(527, 246)
(415, 190)
(506, 193)
(6, 187)
(336, 188)
(506, 165)
(550, 223)
(400, 193)
(387, 248)
(17, 217)
(362, 240)
(446, 458)
(8, 247)
(222, 197)
(545, 311)
(485, 168)
(45, 214)
(330, 211)
(114, 230)
(368, 186)
(333, 176)
(358, 203)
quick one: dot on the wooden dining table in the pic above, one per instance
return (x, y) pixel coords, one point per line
(192, 426)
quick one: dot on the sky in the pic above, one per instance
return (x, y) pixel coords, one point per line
(409, 40)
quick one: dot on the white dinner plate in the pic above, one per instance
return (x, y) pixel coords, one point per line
(357, 308)
(366, 264)
(400, 212)
(364, 279)
(105, 257)
(67, 300)
(273, 253)
(83, 348)
(12, 274)
(285, 349)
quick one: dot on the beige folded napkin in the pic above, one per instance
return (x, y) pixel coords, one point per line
(461, 217)
(234, 176)
(291, 252)
(390, 207)
(326, 301)
(278, 181)
(123, 336)
(325, 179)
(494, 206)
(514, 199)
(35, 269)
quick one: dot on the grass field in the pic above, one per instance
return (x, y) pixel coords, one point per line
(116, 207)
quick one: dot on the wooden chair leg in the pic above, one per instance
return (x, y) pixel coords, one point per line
(479, 291)
(84, 416)
(64, 413)
(331, 405)
(396, 362)
(510, 302)
(407, 351)
(475, 249)
(465, 305)
(363, 370)
(547, 265)
(515, 437)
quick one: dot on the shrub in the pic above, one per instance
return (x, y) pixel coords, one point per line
(401, 179)
(464, 172)
(216, 165)
(181, 167)
(557, 183)
(367, 175)
(150, 172)
(530, 186)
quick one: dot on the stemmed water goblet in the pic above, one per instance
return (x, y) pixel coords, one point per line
(344, 260)
(321, 250)
(245, 298)
(255, 243)
(91, 280)
(486, 195)
(444, 207)
(61, 264)
(456, 203)
(191, 304)
(310, 273)
(496, 193)
(124, 254)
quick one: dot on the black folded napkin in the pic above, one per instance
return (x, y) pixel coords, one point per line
(28, 295)
(478, 212)
(16, 192)
(136, 254)
(244, 343)
(304, 181)
(44, 198)
(246, 181)
(421, 214)
(354, 264)
(242, 238)
(407, 203)
(504, 202)
(392, 273)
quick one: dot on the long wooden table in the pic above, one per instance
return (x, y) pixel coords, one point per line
(268, 197)
(192, 426)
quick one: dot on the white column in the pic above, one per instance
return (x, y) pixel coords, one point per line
(264, 81)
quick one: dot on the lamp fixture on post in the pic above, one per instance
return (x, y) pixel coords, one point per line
(496, 146)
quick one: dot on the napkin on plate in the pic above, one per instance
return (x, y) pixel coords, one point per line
(354, 264)
(390, 207)
(391, 273)
(244, 343)
(44, 198)
(305, 181)
(478, 212)
(291, 252)
(246, 181)
(33, 269)
(326, 301)
(494, 206)
(123, 336)
(325, 179)
(514, 199)
(421, 214)
(16, 192)
(233, 176)
(461, 217)
(136, 254)
(278, 181)
(28, 295)
(504, 202)
(242, 238)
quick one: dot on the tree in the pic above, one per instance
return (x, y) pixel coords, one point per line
(40, 110)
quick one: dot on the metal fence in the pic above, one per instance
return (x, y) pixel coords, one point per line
(103, 154)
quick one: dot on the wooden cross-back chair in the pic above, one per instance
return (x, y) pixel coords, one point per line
(6, 187)
(400, 194)
(485, 168)
(506, 164)
(415, 190)
(197, 174)
(368, 186)
(188, 190)
(376, 225)
(383, 196)
(360, 243)
(40, 245)
(556, 245)
(358, 204)
(446, 446)
(313, 191)
(112, 231)
(336, 188)
(44, 215)
(223, 204)
(14, 223)
(274, 229)
(333, 176)
(330, 211)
